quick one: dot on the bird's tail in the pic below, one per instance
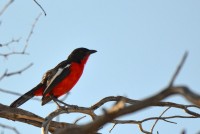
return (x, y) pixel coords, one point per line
(21, 100)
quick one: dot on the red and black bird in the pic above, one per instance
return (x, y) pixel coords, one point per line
(60, 79)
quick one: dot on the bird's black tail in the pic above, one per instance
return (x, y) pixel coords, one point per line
(21, 100)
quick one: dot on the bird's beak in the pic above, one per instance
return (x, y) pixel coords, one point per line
(92, 51)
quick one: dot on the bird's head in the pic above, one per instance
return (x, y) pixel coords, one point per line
(80, 54)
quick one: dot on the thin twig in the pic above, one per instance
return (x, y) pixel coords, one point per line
(40, 7)
(141, 128)
(31, 32)
(158, 119)
(6, 6)
(23, 51)
(178, 69)
(6, 74)
(112, 127)
(10, 42)
(77, 120)
(149, 119)
(5, 55)
(165, 119)
(113, 98)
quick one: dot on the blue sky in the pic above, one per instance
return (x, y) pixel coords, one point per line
(139, 45)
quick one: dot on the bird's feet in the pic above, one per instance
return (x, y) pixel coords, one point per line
(65, 104)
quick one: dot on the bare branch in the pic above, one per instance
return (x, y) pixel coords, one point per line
(112, 127)
(149, 119)
(49, 118)
(167, 104)
(6, 74)
(144, 131)
(23, 52)
(119, 105)
(31, 32)
(113, 98)
(158, 119)
(89, 111)
(131, 101)
(12, 53)
(169, 117)
(77, 120)
(17, 114)
(96, 124)
(152, 101)
(178, 69)
(6, 6)
(40, 7)
(10, 42)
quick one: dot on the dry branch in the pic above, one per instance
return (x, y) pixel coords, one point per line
(6, 74)
(159, 118)
(31, 32)
(178, 69)
(40, 7)
(17, 114)
(6, 6)
(23, 51)
(13, 53)
(98, 121)
(102, 120)
(10, 42)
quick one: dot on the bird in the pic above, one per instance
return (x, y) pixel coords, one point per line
(58, 80)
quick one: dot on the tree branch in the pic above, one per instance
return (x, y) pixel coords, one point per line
(40, 7)
(6, 6)
(17, 114)
(10, 42)
(31, 32)
(154, 100)
(159, 118)
(178, 69)
(23, 51)
(6, 74)
(98, 121)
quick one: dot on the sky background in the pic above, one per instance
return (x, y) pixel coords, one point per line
(139, 45)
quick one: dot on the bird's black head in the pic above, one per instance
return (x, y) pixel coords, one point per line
(79, 54)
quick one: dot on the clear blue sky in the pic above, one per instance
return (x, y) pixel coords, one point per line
(139, 45)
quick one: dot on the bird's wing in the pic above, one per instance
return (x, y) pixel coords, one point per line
(55, 75)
